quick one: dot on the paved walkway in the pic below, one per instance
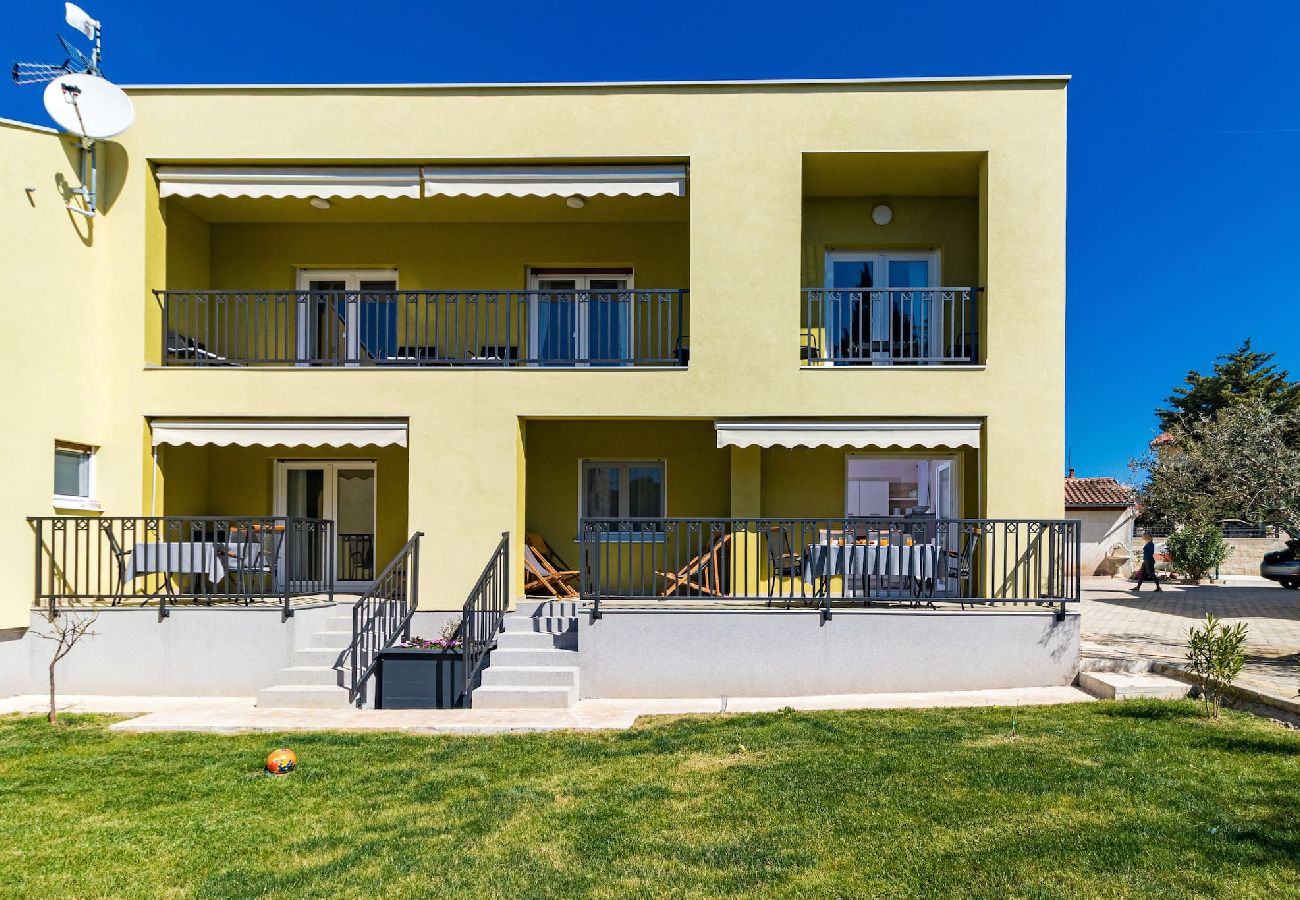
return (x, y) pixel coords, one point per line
(1156, 625)
(232, 714)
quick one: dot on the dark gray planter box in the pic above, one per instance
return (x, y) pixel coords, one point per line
(420, 679)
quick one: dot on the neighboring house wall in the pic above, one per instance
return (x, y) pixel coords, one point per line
(1245, 554)
(1103, 529)
(84, 324)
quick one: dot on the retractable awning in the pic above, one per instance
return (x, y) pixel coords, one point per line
(262, 433)
(287, 181)
(904, 435)
(554, 181)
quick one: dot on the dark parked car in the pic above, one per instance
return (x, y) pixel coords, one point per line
(1283, 566)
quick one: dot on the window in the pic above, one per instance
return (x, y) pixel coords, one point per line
(72, 474)
(623, 490)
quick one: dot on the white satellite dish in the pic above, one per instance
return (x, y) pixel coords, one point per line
(88, 106)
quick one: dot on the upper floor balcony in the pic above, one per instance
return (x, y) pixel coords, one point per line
(893, 253)
(575, 320)
(423, 267)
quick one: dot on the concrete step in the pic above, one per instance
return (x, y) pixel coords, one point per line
(552, 657)
(316, 656)
(1095, 661)
(321, 675)
(337, 640)
(531, 676)
(1131, 686)
(548, 624)
(501, 697)
(302, 696)
(338, 623)
(535, 607)
(535, 640)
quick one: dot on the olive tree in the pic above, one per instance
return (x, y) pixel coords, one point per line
(1238, 464)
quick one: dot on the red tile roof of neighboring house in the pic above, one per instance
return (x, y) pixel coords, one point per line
(1096, 492)
(1161, 439)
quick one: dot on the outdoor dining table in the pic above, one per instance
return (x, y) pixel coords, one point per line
(854, 561)
(206, 558)
(209, 559)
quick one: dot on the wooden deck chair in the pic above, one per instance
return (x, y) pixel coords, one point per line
(544, 550)
(539, 573)
(703, 574)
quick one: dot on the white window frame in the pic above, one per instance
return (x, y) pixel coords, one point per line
(77, 501)
(624, 493)
(581, 282)
(880, 260)
(330, 500)
(351, 279)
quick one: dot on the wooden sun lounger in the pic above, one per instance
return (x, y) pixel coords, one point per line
(540, 573)
(702, 574)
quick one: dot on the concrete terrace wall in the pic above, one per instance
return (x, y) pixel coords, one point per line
(700, 653)
(195, 652)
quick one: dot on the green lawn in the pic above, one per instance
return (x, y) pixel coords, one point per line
(1098, 800)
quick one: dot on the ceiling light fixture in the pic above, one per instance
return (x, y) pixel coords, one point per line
(577, 201)
(319, 202)
(882, 215)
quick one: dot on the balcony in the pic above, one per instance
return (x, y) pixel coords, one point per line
(890, 327)
(164, 561)
(425, 329)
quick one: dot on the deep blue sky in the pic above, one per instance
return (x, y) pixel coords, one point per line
(1184, 190)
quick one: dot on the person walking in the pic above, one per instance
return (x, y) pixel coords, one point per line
(1148, 569)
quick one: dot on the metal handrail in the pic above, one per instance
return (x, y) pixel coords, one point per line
(809, 561)
(484, 612)
(171, 558)
(423, 329)
(914, 326)
(383, 614)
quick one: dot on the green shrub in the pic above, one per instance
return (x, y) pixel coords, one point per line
(1196, 550)
(1215, 655)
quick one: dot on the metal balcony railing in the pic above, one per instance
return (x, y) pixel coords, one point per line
(641, 327)
(832, 562)
(170, 560)
(890, 326)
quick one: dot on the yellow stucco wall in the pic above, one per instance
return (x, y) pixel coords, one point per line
(745, 257)
(947, 224)
(696, 472)
(235, 481)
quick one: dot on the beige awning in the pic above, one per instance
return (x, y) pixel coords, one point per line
(554, 181)
(287, 181)
(263, 433)
(904, 435)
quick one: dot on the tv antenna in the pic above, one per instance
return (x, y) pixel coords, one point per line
(81, 101)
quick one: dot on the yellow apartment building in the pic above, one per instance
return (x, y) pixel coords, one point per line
(679, 339)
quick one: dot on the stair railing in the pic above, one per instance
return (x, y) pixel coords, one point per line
(484, 613)
(383, 614)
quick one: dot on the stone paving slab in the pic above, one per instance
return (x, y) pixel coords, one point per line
(236, 714)
(1155, 625)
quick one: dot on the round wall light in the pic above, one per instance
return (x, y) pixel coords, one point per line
(882, 215)
(577, 201)
(319, 202)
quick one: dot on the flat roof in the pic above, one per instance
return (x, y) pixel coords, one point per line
(581, 85)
